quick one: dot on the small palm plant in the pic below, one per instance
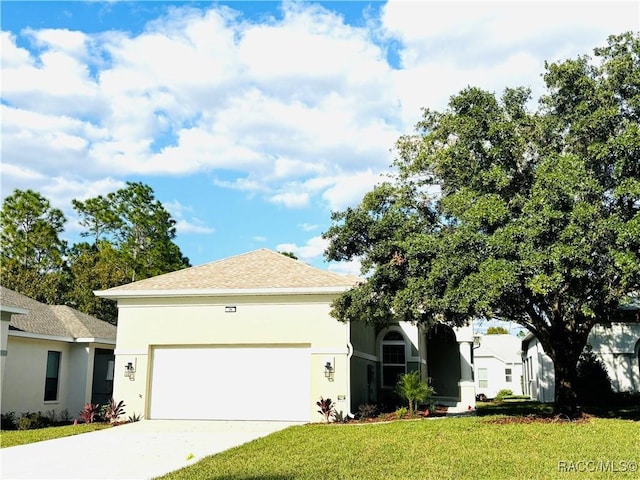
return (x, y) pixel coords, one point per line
(414, 389)
(327, 408)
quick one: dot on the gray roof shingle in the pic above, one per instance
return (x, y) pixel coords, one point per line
(259, 269)
(56, 320)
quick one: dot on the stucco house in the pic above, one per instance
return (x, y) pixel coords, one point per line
(616, 344)
(497, 363)
(250, 337)
(53, 357)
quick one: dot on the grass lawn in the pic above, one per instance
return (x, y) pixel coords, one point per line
(445, 448)
(11, 438)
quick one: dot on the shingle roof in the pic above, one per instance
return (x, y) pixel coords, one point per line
(57, 320)
(256, 270)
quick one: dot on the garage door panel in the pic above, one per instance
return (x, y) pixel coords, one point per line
(255, 383)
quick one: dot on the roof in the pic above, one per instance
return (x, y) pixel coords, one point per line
(260, 271)
(505, 347)
(55, 320)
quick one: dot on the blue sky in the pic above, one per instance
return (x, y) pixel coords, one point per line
(252, 121)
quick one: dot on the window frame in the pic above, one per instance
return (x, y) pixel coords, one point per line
(483, 378)
(508, 375)
(52, 376)
(383, 365)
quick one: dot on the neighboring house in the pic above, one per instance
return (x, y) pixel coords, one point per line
(617, 345)
(53, 357)
(498, 364)
(250, 337)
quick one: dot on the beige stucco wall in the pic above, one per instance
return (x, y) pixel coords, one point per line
(25, 370)
(258, 320)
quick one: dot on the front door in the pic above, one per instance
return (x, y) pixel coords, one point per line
(102, 385)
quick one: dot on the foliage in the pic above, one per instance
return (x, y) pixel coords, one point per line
(89, 412)
(114, 410)
(367, 410)
(8, 421)
(32, 252)
(401, 412)
(131, 238)
(33, 420)
(290, 255)
(134, 417)
(467, 448)
(496, 212)
(23, 437)
(340, 417)
(497, 331)
(414, 389)
(593, 385)
(505, 392)
(327, 409)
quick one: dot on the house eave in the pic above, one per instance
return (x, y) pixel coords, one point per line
(13, 310)
(219, 292)
(59, 338)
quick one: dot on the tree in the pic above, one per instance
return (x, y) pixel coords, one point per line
(132, 238)
(138, 227)
(494, 211)
(33, 255)
(497, 331)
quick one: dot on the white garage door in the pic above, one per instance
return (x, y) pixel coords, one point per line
(257, 383)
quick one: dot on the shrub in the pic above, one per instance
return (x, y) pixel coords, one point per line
(327, 408)
(134, 417)
(412, 388)
(367, 410)
(8, 421)
(88, 413)
(505, 392)
(32, 421)
(593, 385)
(114, 410)
(401, 412)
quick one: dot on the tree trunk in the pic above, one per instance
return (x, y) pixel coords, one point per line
(565, 351)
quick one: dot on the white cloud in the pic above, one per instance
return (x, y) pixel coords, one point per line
(186, 225)
(346, 268)
(290, 199)
(297, 109)
(312, 250)
(307, 227)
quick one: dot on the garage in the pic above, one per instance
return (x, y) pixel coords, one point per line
(230, 383)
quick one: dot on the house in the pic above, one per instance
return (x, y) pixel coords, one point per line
(497, 365)
(53, 357)
(616, 344)
(251, 337)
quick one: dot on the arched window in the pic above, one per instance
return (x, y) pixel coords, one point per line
(393, 358)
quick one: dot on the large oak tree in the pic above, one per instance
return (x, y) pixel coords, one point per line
(496, 211)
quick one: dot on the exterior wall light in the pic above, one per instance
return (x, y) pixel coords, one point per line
(328, 371)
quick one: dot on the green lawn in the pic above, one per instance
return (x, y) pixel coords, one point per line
(446, 448)
(11, 438)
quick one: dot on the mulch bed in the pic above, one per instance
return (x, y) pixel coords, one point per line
(585, 418)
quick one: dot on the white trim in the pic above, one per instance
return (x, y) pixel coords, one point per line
(366, 356)
(40, 336)
(13, 310)
(218, 292)
(329, 351)
(95, 340)
(122, 351)
(57, 338)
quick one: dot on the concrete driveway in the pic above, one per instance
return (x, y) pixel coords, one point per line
(140, 450)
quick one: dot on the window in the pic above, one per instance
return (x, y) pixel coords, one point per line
(51, 380)
(508, 377)
(393, 358)
(483, 379)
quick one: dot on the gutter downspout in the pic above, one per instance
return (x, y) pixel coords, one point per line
(349, 355)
